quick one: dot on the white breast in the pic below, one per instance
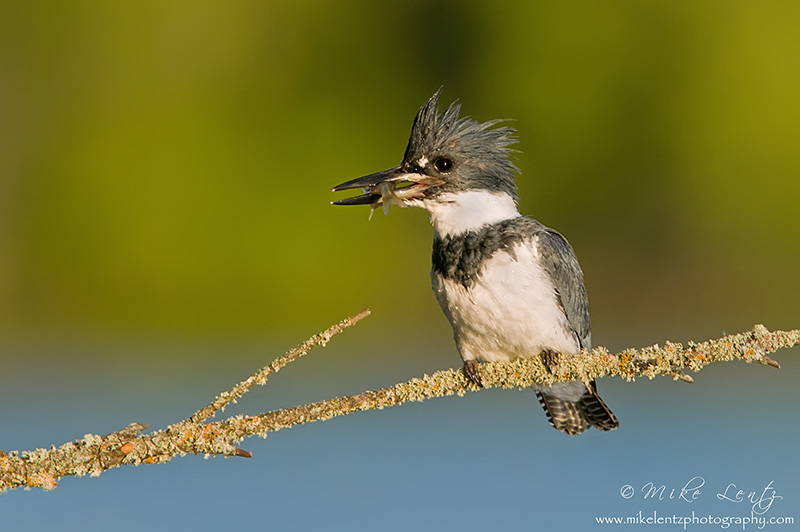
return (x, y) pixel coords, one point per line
(458, 212)
(509, 311)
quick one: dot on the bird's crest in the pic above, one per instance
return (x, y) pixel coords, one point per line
(485, 147)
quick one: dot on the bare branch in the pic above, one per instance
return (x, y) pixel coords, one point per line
(95, 454)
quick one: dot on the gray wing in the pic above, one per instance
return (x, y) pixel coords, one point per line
(559, 260)
(572, 417)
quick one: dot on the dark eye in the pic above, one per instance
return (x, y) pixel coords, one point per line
(443, 164)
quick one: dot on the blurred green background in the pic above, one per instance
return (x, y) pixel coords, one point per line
(165, 167)
(165, 229)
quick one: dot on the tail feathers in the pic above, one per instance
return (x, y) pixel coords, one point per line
(564, 415)
(574, 417)
(596, 411)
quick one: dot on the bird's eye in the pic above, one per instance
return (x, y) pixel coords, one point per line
(443, 164)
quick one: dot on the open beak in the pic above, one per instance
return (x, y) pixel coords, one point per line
(377, 186)
(370, 185)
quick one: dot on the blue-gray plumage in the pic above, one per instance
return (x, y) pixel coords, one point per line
(509, 286)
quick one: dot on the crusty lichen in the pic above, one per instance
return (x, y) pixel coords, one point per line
(260, 377)
(42, 468)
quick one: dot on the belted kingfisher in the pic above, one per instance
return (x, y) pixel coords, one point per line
(509, 286)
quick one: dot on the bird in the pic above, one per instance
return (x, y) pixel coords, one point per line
(509, 286)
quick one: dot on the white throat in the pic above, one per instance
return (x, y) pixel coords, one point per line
(459, 212)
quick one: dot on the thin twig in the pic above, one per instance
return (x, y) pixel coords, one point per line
(260, 377)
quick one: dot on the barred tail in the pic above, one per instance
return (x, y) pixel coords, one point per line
(574, 417)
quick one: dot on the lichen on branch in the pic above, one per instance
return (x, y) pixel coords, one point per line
(42, 468)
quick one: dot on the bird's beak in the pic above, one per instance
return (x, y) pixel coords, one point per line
(370, 184)
(382, 184)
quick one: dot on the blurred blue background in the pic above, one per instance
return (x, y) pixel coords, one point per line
(164, 222)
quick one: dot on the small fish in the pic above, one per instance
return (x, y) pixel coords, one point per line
(388, 197)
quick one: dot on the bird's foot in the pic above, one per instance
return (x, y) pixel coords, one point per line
(472, 371)
(549, 359)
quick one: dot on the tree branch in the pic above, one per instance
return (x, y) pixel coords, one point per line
(94, 454)
(260, 377)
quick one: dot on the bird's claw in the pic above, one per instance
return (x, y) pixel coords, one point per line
(549, 359)
(472, 371)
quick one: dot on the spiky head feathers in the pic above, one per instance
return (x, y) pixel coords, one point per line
(477, 152)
